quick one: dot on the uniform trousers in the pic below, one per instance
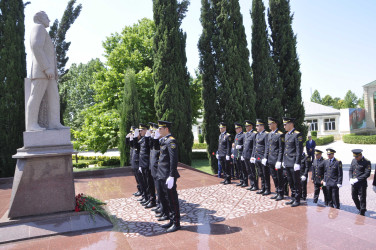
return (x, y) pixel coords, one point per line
(293, 178)
(238, 168)
(252, 174)
(359, 191)
(149, 186)
(317, 193)
(244, 173)
(170, 201)
(333, 196)
(260, 172)
(277, 176)
(226, 167)
(304, 188)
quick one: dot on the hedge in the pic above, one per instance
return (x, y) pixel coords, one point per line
(359, 139)
(314, 133)
(199, 146)
(80, 165)
(323, 140)
(199, 155)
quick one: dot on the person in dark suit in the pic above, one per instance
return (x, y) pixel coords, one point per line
(224, 152)
(360, 170)
(167, 175)
(274, 155)
(238, 151)
(258, 156)
(318, 176)
(129, 142)
(292, 159)
(304, 167)
(153, 166)
(310, 147)
(333, 174)
(249, 138)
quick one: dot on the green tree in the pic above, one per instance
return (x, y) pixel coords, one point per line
(266, 84)
(172, 94)
(133, 49)
(284, 53)
(350, 100)
(316, 97)
(208, 70)
(129, 113)
(12, 74)
(361, 102)
(195, 86)
(337, 103)
(79, 89)
(327, 100)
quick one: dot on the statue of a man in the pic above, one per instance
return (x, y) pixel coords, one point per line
(43, 77)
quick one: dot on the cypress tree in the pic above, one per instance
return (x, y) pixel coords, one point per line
(266, 84)
(208, 71)
(283, 42)
(12, 74)
(129, 113)
(171, 78)
(235, 85)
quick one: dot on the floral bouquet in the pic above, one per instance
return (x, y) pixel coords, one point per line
(90, 204)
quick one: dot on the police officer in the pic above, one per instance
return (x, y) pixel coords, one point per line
(259, 156)
(148, 180)
(129, 143)
(153, 166)
(318, 176)
(333, 178)
(304, 168)
(292, 159)
(250, 168)
(224, 152)
(239, 143)
(274, 155)
(167, 175)
(360, 170)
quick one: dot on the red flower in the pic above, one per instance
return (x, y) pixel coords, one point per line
(77, 209)
(93, 208)
(258, 158)
(213, 153)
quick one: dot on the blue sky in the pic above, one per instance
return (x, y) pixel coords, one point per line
(336, 38)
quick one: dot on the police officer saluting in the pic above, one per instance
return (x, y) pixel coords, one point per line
(318, 176)
(292, 159)
(249, 138)
(274, 155)
(259, 157)
(224, 152)
(129, 142)
(167, 175)
(238, 151)
(333, 178)
(360, 170)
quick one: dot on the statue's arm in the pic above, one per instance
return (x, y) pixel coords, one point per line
(37, 40)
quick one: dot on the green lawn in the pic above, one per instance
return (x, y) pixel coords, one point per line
(202, 165)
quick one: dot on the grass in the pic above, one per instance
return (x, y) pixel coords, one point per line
(202, 165)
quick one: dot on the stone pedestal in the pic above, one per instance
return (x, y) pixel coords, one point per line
(43, 181)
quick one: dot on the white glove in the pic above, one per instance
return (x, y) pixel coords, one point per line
(147, 134)
(227, 157)
(263, 162)
(153, 135)
(283, 165)
(374, 189)
(238, 147)
(157, 134)
(324, 184)
(136, 132)
(252, 160)
(242, 158)
(303, 178)
(351, 181)
(217, 156)
(355, 180)
(140, 169)
(128, 135)
(131, 137)
(170, 182)
(339, 185)
(296, 167)
(278, 165)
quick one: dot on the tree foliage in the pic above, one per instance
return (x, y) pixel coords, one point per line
(12, 74)
(350, 100)
(316, 97)
(195, 86)
(129, 113)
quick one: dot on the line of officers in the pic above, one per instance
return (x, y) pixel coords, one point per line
(261, 154)
(154, 160)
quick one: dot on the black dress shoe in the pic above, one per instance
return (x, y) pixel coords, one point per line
(244, 185)
(154, 209)
(254, 189)
(279, 198)
(159, 215)
(163, 218)
(227, 182)
(250, 188)
(295, 204)
(169, 224)
(362, 212)
(275, 196)
(223, 182)
(173, 228)
(141, 199)
(266, 193)
(158, 211)
(145, 203)
(289, 202)
(260, 192)
(239, 184)
(151, 204)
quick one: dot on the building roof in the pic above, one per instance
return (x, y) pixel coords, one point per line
(315, 109)
(370, 84)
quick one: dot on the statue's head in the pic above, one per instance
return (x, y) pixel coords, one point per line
(42, 18)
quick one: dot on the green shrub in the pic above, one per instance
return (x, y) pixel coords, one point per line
(199, 155)
(93, 162)
(323, 140)
(314, 133)
(109, 162)
(199, 146)
(80, 165)
(359, 139)
(201, 138)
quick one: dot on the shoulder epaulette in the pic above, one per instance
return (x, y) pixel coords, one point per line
(254, 131)
(279, 132)
(266, 132)
(296, 132)
(171, 138)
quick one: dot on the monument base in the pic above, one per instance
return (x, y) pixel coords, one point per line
(43, 181)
